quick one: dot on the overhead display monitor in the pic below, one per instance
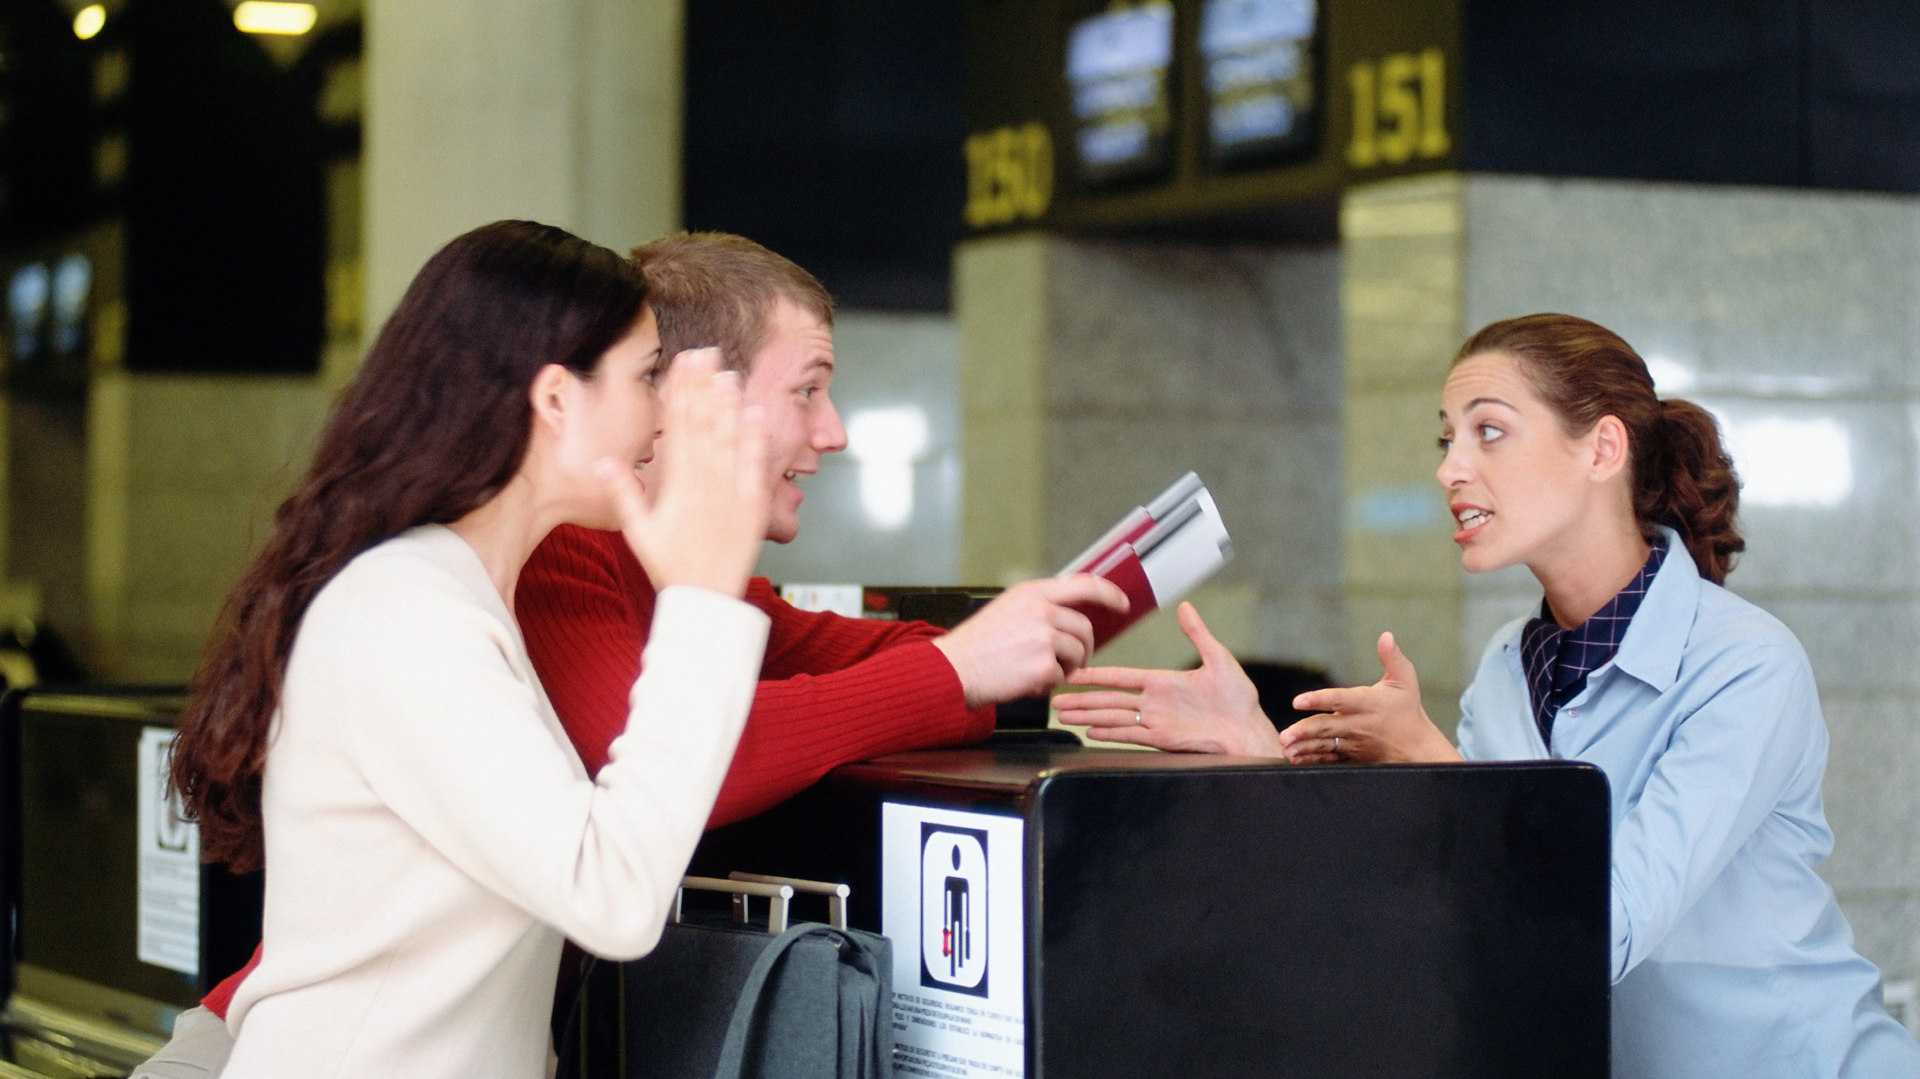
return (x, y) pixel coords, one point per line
(47, 317)
(1120, 73)
(1261, 75)
(72, 285)
(34, 293)
(27, 304)
(1215, 119)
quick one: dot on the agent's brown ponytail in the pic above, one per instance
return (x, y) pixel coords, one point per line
(1682, 476)
(1692, 488)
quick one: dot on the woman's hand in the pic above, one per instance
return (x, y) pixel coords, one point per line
(1380, 723)
(1214, 709)
(705, 516)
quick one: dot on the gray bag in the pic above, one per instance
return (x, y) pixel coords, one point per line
(731, 1002)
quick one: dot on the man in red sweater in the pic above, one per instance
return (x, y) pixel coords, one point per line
(833, 689)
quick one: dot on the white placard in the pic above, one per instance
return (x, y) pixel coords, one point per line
(840, 599)
(951, 904)
(169, 864)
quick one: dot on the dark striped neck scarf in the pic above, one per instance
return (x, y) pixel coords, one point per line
(1557, 661)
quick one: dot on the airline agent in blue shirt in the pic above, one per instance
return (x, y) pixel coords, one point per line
(1730, 956)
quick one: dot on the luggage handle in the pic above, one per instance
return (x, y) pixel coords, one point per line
(779, 895)
(779, 891)
(836, 894)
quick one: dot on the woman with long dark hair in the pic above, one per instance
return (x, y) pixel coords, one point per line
(366, 723)
(1730, 956)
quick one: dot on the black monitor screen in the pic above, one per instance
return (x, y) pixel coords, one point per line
(1119, 67)
(1260, 74)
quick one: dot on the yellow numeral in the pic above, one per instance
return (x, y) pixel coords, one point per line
(1399, 109)
(1433, 100)
(1009, 175)
(1363, 152)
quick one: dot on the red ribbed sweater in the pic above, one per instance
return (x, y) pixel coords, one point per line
(833, 689)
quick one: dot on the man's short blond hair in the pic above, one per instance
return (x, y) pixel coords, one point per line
(715, 289)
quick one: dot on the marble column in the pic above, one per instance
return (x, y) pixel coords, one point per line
(1401, 278)
(474, 110)
(565, 112)
(1094, 372)
(183, 474)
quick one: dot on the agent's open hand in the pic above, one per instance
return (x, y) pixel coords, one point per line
(1028, 638)
(1380, 723)
(704, 515)
(1214, 709)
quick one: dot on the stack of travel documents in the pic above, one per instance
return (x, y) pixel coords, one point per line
(1156, 554)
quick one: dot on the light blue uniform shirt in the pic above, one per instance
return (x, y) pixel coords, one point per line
(1730, 956)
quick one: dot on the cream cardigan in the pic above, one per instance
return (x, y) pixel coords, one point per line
(431, 834)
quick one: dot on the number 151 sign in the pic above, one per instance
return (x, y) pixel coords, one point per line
(1399, 109)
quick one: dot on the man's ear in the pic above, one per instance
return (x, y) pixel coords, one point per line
(548, 395)
(1610, 448)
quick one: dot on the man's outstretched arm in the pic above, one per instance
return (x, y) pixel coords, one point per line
(850, 689)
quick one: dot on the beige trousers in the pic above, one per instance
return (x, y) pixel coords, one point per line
(201, 1045)
(198, 1050)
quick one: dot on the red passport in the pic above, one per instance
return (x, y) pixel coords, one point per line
(1156, 554)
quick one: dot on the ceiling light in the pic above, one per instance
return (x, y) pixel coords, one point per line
(261, 17)
(89, 21)
(887, 435)
(1670, 376)
(885, 441)
(1790, 461)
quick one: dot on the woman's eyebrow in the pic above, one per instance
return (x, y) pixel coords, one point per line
(1476, 403)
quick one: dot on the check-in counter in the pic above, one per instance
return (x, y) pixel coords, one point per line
(1060, 912)
(113, 925)
(1055, 911)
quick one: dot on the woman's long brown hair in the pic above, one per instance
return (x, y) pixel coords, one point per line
(434, 424)
(1682, 475)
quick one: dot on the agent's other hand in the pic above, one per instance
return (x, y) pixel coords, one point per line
(702, 518)
(1213, 709)
(1381, 723)
(1028, 639)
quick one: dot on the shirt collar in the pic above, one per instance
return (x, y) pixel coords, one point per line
(1604, 630)
(1658, 634)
